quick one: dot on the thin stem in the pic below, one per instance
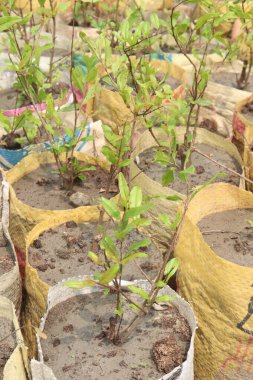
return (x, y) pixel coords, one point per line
(52, 53)
(221, 165)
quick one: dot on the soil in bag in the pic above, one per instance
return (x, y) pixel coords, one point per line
(42, 189)
(7, 342)
(76, 346)
(230, 235)
(229, 79)
(205, 169)
(61, 252)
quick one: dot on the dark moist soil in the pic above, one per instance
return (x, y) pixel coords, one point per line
(75, 349)
(7, 346)
(247, 111)
(205, 169)
(42, 188)
(229, 79)
(61, 252)
(230, 235)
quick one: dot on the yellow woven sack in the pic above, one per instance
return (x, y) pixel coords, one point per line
(151, 188)
(242, 127)
(219, 291)
(36, 288)
(10, 281)
(24, 217)
(17, 365)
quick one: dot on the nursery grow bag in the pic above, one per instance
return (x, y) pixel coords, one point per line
(16, 366)
(10, 281)
(151, 187)
(60, 293)
(243, 139)
(219, 291)
(37, 289)
(242, 127)
(224, 100)
(24, 217)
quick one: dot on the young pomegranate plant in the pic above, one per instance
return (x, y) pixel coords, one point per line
(206, 26)
(126, 215)
(243, 35)
(34, 83)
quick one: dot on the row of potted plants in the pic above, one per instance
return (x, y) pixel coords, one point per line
(147, 196)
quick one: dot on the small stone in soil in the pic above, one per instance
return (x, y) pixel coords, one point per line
(62, 254)
(71, 224)
(71, 240)
(42, 267)
(79, 199)
(68, 328)
(199, 169)
(81, 259)
(56, 342)
(43, 181)
(62, 271)
(37, 244)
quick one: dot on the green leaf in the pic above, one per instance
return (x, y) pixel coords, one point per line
(107, 276)
(174, 198)
(133, 257)
(184, 174)
(79, 284)
(250, 223)
(164, 219)
(160, 284)
(171, 268)
(78, 78)
(110, 248)
(164, 298)
(50, 105)
(137, 211)
(168, 177)
(93, 257)
(155, 20)
(135, 199)
(125, 162)
(109, 154)
(123, 187)
(137, 245)
(139, 291)
(134, 307)
(6, 22)
(61, 7)
(110, 208)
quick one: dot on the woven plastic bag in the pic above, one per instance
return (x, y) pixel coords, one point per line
(219, 291)
(242, 127)
(59, 293)
(24, 217)
(37, 289)
(10, 281)
(17, 365)
(151, 187)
